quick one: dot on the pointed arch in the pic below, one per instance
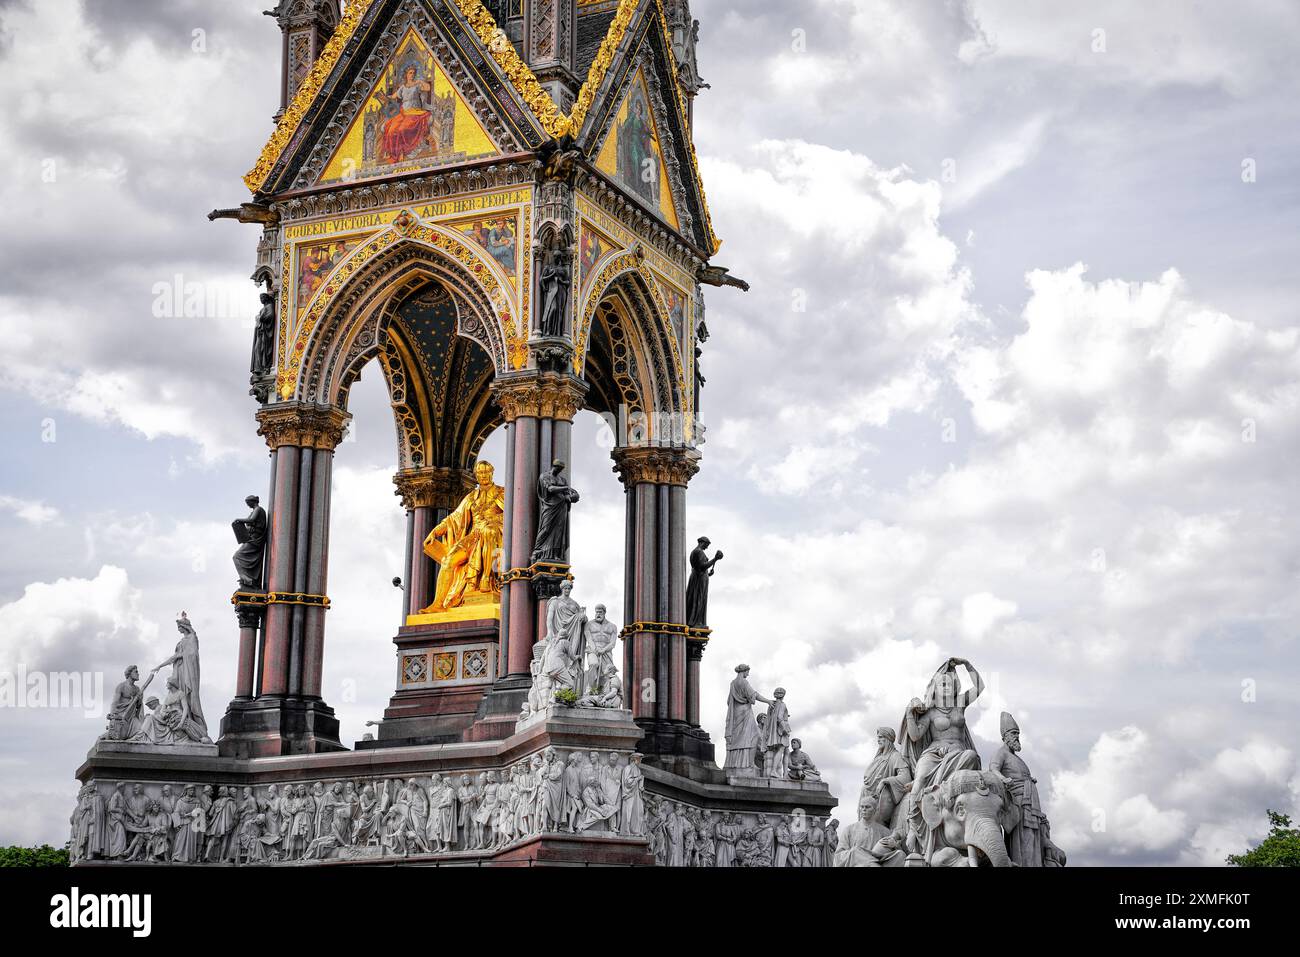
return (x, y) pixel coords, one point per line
(627, 284)
(339, 332)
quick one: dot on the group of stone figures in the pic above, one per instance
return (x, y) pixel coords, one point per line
(574, 664)
(933, 804)
(178, 717)
(546, 793)
(761, 745)
(684, 836)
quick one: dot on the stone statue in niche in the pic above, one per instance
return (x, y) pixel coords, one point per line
(572, 790)
(189, 822)
(554, 284)
(1029, 843)
(725, 835)
(467, 795)
(556, 497)
(250, 533)
(263, 360)
(697, 588)
(442, 814)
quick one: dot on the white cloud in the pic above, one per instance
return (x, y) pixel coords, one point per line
(74, 624)
(34, 513)
(983, 611)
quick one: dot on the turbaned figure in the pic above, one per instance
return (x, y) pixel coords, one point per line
(466, 545)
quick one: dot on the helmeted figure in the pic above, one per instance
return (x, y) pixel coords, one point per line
(1028, 842)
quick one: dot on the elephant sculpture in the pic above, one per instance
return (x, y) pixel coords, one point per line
(969, 813)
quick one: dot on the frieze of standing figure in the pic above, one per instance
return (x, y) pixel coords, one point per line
(475, 813)
(420, 189)
(684, 835)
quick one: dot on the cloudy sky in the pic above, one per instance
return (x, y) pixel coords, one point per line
(1018, 380)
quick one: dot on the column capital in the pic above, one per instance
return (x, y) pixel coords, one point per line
(302, 424)
(540, 395)
(432, 486)
(656, 465)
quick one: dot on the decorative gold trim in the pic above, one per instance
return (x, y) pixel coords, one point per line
(478, 612)
(654, 628)
(306, 95)
(409, 227)
(520, 75)
(550, 569)
(682, 111)
(603, 61)
(297, 598)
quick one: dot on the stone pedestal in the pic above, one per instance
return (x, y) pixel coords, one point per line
(560, 715)
(273, 725)
(443, 671)
(148, 751)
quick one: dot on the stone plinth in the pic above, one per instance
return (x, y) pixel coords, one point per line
(738, 793)
(274, 725)
(559, 715)
(187, 750)
(443, 671)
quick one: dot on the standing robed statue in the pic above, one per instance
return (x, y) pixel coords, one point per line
(697, 589)
(251, 534)
(555, 498)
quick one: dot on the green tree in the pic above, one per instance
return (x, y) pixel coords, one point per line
(43, 856)
(1280, 849)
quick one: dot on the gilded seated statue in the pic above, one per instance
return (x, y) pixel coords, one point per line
(467, 547)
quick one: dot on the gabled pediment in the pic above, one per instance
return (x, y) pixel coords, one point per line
(633, 155)
(402, 85)
(414, 118)
(360, 113)
(636, 129)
